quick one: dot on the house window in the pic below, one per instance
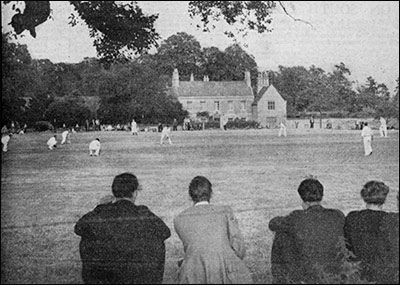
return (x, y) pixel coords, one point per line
(216, 105)
(230, 106)
(271, 105)
(202, 105)
(243, 105)
(189, 105)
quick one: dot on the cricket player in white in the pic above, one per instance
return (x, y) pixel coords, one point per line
(383, 128)
(134, 127)
(367, 135)
(94, 147)
(165, 134)
(4, 141)
(65, 137)
(52, 142)
(282, 130)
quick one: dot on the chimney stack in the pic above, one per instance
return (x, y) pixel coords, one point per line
(175, 78)
(191, 77)
(247, 78)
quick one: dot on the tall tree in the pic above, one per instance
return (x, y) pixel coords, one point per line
(121, 29)
(180, 51)
(18, 80)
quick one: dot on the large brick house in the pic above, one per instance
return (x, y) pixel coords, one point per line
(232, 99)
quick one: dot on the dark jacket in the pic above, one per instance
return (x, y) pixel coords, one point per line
(122, 243)
(390, 228)
(365, 238)
(305, 240)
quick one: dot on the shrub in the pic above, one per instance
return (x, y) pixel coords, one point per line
(42, 126)
(242, 124)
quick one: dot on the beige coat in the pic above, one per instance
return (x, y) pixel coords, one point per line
(214, 246)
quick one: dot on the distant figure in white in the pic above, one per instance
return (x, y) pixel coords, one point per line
(383, 128)
(282, 130)
(65, 137)
(94, 147)
(165, 134)
(52, 142)
(368, 136)
(134, 127)
(4, 141)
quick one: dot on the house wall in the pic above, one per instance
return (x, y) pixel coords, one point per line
(224, 107)
(271, 118)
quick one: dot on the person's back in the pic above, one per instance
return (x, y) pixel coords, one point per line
(317, 232)
(213, 244)
(363, 233)
(306, 240)
(390, 229)
(122, 244)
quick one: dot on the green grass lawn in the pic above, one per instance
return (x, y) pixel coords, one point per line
(44, 193)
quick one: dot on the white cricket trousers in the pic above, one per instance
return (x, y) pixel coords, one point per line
(367, 145)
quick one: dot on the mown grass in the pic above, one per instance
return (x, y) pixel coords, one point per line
(45, 192)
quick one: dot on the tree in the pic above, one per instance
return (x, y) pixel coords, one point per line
(68, 110)
(115, 27)
(237, 62)
(249, 15)
(136, 91)
(18, 80)
(181, 51)
(120, 30)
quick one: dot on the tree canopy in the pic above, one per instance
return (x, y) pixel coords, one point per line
(121, 30)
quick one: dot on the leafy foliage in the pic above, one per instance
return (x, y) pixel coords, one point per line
(115, 27)
(69, 110)
(247, 15)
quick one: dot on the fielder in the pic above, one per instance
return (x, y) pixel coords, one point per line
(4, 141)
(383, 128)
(367, 136)
(52, 142)
(94, 147)
(134, 130)
(65, 137)
(282, 130)
(165, 135)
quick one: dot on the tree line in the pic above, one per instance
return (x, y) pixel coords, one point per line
(63, 93)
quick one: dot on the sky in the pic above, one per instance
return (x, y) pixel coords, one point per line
(364, 35)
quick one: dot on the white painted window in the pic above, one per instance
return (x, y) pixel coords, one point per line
(230, 106)
(271, 105)
(243, 105)
(189, 105)
(216, 105)
(202, 105)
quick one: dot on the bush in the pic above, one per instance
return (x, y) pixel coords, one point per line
(42, 126)
(212, 125)
(241, 124)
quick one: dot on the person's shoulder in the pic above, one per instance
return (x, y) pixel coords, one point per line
(352, 215)
(335, 212)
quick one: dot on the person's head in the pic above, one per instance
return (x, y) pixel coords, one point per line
(374, 192)
(365, 124)
(200, 189)
(97, 139)
(124, 185)
(311, 190)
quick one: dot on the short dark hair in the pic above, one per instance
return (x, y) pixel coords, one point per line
(124, 185)
(200, 189)
(311, 190)
(374, 192)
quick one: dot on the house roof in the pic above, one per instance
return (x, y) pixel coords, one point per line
(262, 92)
(211, 89)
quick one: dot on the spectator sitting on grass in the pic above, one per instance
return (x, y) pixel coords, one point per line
(122, 243)
(306, 238)
(364, 235)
